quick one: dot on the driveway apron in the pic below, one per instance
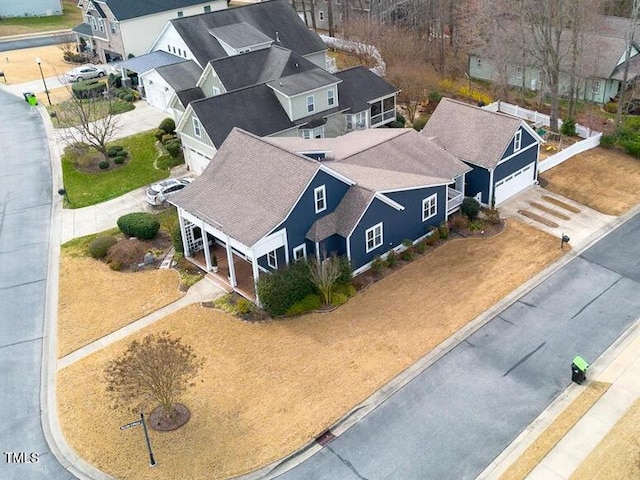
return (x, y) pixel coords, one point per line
(25, 209)
(459, 414)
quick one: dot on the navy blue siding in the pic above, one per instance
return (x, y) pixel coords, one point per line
(303, 214)
(334, 244)
(477, 180)
(397, 225)
(262, 261)
(526, 140)
(516, 163)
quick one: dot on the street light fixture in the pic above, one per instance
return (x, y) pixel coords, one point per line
(39, 62)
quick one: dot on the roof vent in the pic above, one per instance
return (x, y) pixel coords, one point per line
(277, 37)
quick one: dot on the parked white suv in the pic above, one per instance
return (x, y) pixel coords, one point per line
(158, 192)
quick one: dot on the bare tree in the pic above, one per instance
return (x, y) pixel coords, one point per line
(324, 275)
(89, 120)
(157, 369)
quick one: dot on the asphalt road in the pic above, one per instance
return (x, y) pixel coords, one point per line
(43, 41)
(25, 209)
(452, 420)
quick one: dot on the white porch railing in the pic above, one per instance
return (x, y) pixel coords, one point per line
(591, 137)
(454, 200)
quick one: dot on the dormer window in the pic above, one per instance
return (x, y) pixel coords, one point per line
(180, 14)
(320, 195)
(517, 141)
(310, 104)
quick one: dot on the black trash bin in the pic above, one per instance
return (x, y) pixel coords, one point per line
(579, 369)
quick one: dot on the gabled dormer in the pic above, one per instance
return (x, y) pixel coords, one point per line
(210, 82)
(240, 38)
(307, 93)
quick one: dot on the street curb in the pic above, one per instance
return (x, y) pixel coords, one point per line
(67, 457)
(25, 36)
(361, 410)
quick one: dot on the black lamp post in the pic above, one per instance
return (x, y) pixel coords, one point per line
(152, 460)
(39, 62)
(564, 239)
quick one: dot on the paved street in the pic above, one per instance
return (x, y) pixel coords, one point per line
(25, 206)
(6, 45)
(453, 419)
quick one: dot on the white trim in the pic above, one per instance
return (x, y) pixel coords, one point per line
(300, 248)
(427, 202)
(515, 154)
(392, 203)
(517, 141)
(320, 195)
(272, 255)
(360, 217)
(419, 187)
(335, 174)
(312, 104)
(375, 235)
(394, 94)
(197, 126)
(490, 199)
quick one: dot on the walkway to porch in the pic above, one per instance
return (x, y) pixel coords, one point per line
(244, 274)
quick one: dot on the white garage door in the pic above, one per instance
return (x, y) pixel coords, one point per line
(156, 95)
(196, 161)
(514, 183)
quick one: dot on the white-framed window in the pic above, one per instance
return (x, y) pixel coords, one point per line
(519, 72)
(357, 121)
(321, 15)
(299, 252)
(595, 87)
(320, 198)
(101, 25)
(479, 63)
(272, 259)
(180, 14)
(383, 17)
(331, 99)
(113, 26)
(310, 104)
(517, 141)
(373, 237)
(429, 207)
(306, 133)
(180, 51)
(207, 9)
(94, 23)
(196, 127)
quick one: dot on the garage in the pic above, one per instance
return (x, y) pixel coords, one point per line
(514, 183)
(195, 160)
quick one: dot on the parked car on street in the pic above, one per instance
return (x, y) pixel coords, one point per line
(85, 72)
(158, 192)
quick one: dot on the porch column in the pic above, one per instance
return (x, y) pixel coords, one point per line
(183, 234)
(256, 274)
(205, 246)
(232, 267)
(318, 251)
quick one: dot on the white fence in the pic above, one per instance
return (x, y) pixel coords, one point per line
(591, 137)
(357, 47)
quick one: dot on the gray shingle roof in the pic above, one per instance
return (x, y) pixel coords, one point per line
(345, 217)
(248, 188)
(149, 61)
(190, 95)
(271, 17)
(240, 35)
(359, 86)
(303, 82)
(259, 66)
(127, 9)
(471, 133)
(181, 76)
(83, 29)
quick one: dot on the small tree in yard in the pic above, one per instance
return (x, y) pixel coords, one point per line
(325, 275)
(156, 369)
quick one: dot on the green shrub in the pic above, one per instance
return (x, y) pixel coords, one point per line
(421, 246)
(396, 124)
(167, 137)
(392, 258)
(631, 146)
(607, 141)
(158, 134)
(433, 237)
(243, 306)
(176, 238)
(114, 150)
(174, 148)
(611, 107)
(129, 97)
(378, 265)
(168, 125)
(435, 96)
(476, 225)
(407, 253)
(568, 127)
(349, 290)
(165, 162)
(459, 221)
(114, 81)
(91, 89)
(419, 123)
(139, 224)
(346, 272)
(400, 118)
(339, 299)
(119, 160)
(103, 165)
(307, 304)
(443, 231)
(470, 207)
(281, 289)
(99, 247)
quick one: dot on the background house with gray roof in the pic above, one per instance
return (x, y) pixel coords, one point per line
(115, 29)
(271, 201)
(502, 150)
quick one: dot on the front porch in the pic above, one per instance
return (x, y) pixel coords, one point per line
(454, 200)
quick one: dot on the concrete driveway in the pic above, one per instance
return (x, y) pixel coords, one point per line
(458, 415)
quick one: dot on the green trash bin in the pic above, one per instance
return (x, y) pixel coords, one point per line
(579, 369)
(33, 101)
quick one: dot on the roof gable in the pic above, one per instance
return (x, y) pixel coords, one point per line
(239, 36)
(181, 76)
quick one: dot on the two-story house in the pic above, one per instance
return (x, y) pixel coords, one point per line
(265, 202)
(292, 98)
(116, 29)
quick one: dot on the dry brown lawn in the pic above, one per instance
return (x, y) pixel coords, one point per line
(555, 432)
(269, 388)
(95, 300)
(20, 66)
(606, 180)
(617, 456)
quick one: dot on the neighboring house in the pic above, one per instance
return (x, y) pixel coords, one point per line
(160, 84)
(30, 8)
(599, 67)
(116, 29)
(271, 201)
(340, 11)
(306, 102)
(502, 150)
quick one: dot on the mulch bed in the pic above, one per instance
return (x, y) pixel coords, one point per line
(159, 421)
(132, 252)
